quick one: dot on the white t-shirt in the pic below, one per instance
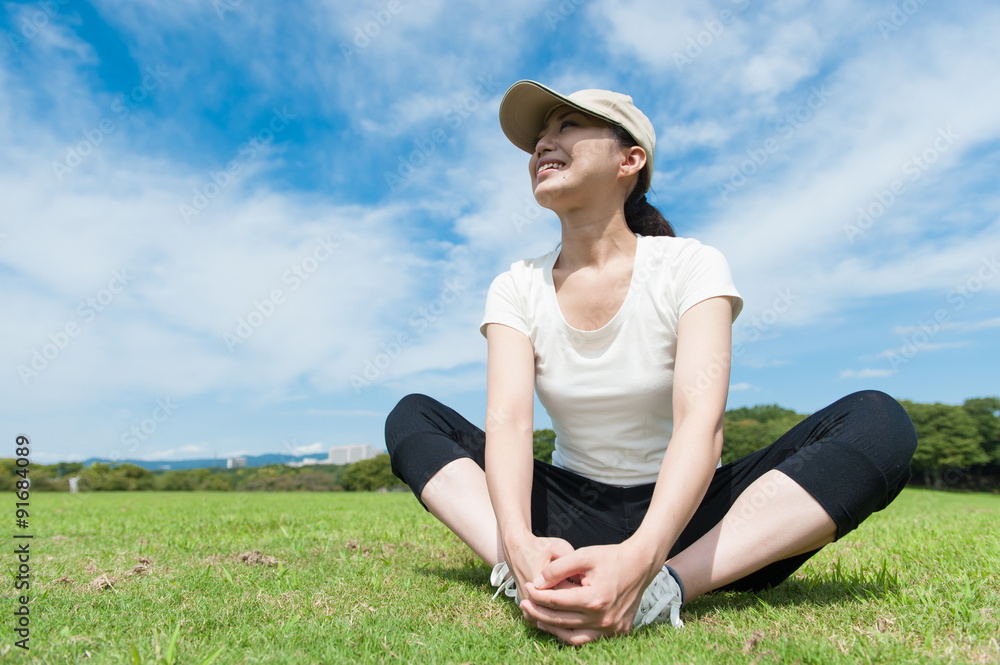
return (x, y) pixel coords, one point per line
(609, 392)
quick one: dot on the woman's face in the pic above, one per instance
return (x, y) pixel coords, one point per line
(575, 152)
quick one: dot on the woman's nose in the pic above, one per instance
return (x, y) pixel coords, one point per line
(544, 143)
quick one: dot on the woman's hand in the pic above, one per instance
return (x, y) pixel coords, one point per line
(528, 555)
(590, 593)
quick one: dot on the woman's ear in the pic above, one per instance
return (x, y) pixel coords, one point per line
(635, 159)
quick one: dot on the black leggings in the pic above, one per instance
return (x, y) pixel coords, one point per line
(853, 457)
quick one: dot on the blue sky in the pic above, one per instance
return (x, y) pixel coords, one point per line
(235, 227)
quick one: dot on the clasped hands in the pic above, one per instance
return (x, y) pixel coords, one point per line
(580, 595)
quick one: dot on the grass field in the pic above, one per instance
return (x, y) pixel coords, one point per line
(359, 578)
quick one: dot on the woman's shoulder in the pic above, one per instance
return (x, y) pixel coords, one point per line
(677, 249)
(524, 276)
(675, 243)
(533, 267)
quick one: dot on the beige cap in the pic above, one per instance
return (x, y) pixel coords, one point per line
(526, 106)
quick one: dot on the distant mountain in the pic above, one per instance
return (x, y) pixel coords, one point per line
(252, 460)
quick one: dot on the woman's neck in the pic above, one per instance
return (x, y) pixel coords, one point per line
(594, 239)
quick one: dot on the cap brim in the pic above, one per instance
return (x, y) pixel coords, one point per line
(523, 111)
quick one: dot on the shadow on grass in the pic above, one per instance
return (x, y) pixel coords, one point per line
(815, 591)
(473, 575)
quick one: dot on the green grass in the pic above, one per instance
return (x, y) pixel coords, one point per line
(364, 578)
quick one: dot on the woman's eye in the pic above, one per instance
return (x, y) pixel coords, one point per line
(562, 125)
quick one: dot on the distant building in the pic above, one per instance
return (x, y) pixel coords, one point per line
(349, 454)
(236, 463)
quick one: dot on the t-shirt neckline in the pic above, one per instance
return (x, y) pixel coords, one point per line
(623, 310)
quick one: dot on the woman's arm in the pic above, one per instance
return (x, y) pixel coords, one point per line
(510, 374)
(510, 386)
(701, 386)
(614, 577)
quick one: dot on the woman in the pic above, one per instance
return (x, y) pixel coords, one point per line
(625, 332)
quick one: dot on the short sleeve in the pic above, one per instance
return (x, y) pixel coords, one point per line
(707, 275)
(503, 305)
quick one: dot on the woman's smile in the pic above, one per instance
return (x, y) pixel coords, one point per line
(548, 164)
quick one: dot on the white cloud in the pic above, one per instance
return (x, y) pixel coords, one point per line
(938, 327)
(191, 285)
(908, 350)
(790, 55)
(934, 327)
(237, 453)
(786, 228)
(179, 453)
(710, 51)
(866, 373)
(989, 323)
(312, 449)
(682, 136)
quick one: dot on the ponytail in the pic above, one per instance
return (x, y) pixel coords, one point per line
(640, 215)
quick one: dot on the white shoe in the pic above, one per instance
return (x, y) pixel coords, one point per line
(661, 600)
(501, 577)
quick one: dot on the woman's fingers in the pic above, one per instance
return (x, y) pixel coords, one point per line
(565, 619)
(533, 555)
(571, 636)
(572, 564)
(564, 597)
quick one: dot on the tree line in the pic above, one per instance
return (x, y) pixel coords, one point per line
(958, 448)
(102, 477)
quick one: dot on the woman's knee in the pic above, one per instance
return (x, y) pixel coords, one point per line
(891, 419)
(885, 433)
(872, 401)
(411, 404)
(404, 418)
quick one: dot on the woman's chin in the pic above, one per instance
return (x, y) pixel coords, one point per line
(547, 196)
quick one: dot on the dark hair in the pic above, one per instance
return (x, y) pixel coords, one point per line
(640, 215)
